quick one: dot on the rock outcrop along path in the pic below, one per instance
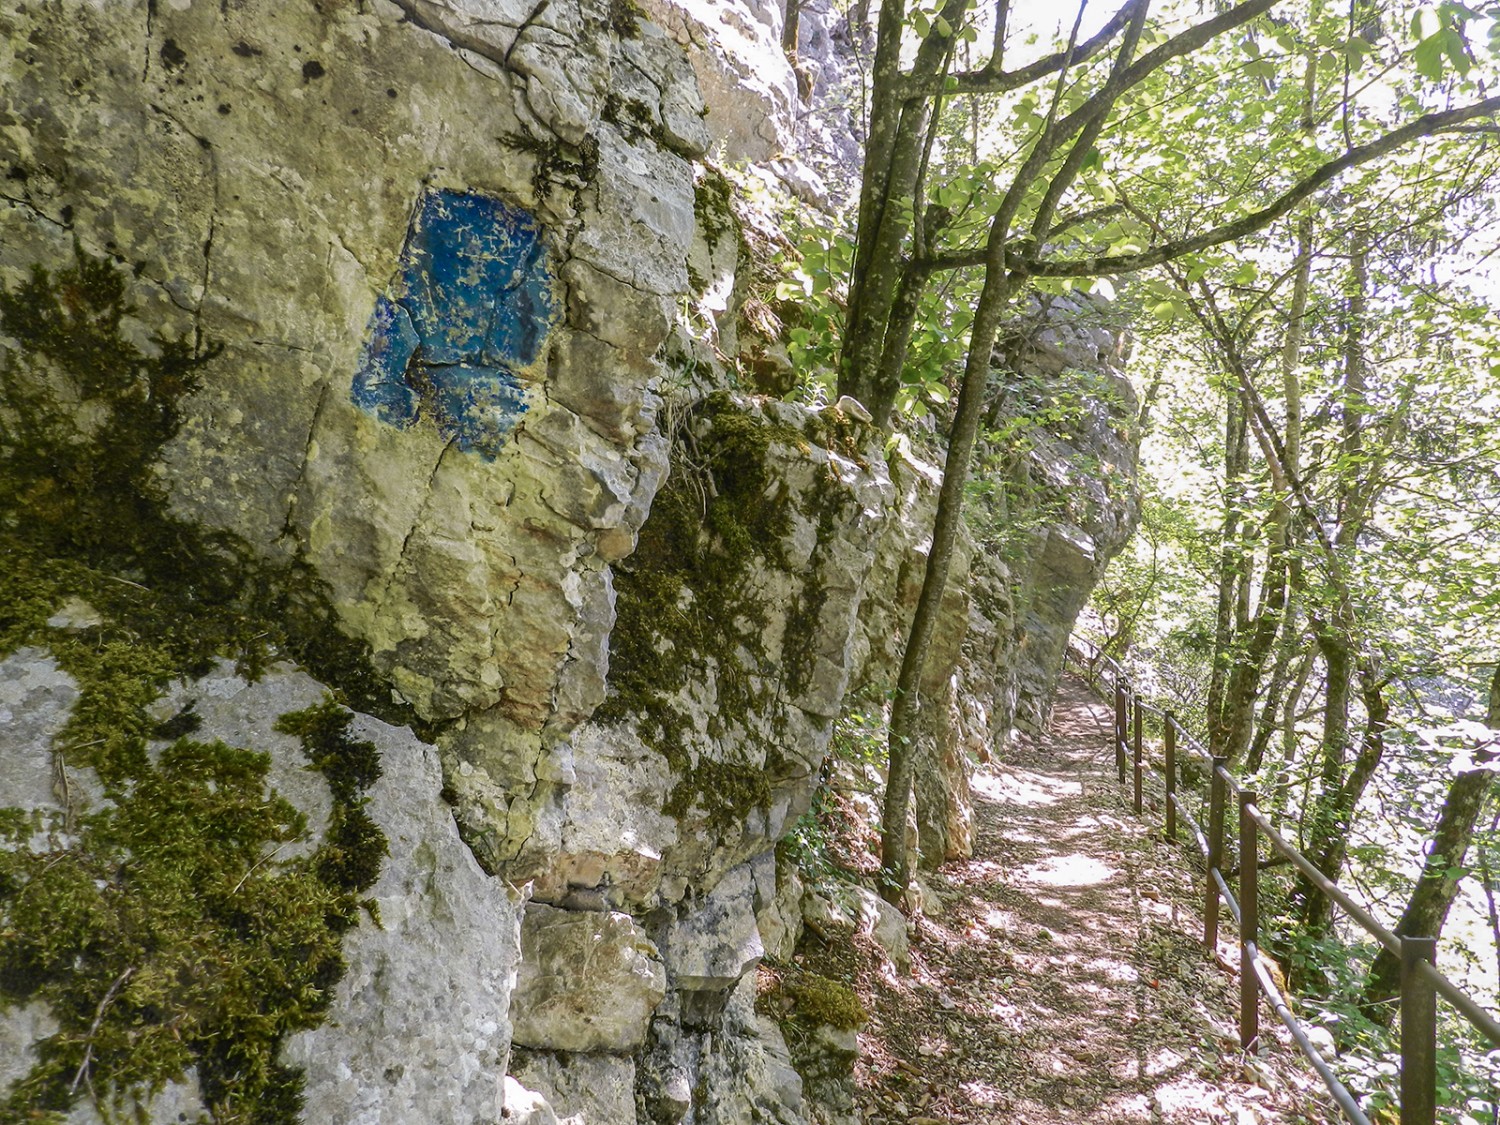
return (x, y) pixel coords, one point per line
(1059, 978)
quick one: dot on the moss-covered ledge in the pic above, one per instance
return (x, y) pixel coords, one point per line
(725, 605)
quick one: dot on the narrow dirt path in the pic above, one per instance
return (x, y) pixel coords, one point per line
(1060, 982)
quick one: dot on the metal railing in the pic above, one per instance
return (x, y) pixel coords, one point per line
(1421, 982)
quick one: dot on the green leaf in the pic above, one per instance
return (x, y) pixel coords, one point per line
(1453, 47)
(1428, 57)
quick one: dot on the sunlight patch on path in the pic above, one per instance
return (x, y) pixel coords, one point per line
(1068, 871)
(1025, 787)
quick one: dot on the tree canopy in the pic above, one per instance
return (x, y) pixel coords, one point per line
(1206, 158)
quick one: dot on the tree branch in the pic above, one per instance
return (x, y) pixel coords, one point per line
(988, 82)
(1424, 126)
(1105, 99)
(990, 79)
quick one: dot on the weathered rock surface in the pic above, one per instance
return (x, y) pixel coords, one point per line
(1078, 482)
(459, 481)
(418, 1028)
(778, 906)
(36, 697)
(589, 981)
(729, 660)
(715, 943)
(748, 86)
(582, 1089)
(1056, 514)
(750, 1076)
(837, 911)
(433, 253)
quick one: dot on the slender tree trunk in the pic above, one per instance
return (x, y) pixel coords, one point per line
(1001, 285)
(1243, 687)
(1323, 821)
(1276, 688)
(790, 27)
(1488, 874)
(999, 290)
(1231, 569)
(1437, 887)
(1290, 709)
(1339, 793)
(889, 186)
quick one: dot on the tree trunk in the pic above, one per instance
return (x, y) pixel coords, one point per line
(1437, 887)
(1240, 693)
(1323, 821)
(1339, 794)
(889, 187)
(1231, 569)
(999, 290)
(1275, 693)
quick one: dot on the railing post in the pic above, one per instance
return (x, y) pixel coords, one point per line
(1135, 746)
(1169, 763)
(1418, 1034)
(1121, 726)
(1215, 854)
(1249, 924)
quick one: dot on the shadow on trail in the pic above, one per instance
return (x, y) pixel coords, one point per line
(1061, 983)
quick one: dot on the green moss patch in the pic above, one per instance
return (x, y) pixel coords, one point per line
(166, 930)
(807, 999)
(84, 414)
(163, 940)
(713, 206)
(354, 847)
(688, 613)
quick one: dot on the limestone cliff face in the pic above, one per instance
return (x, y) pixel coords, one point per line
(375, 309)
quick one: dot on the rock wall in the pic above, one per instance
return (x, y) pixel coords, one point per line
(355, 381)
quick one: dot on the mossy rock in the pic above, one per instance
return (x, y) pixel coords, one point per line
(690, 612)
(158, 929)
(811, 1000)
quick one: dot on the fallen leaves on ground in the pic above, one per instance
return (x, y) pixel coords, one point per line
(1059, 977)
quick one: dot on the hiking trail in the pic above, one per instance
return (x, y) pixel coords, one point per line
(1060, 978)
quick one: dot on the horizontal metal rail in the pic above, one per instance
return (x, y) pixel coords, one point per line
(1462, 1001)
(1197, 828)
(1284, 1013)
(1228, 896)
(1366, 920)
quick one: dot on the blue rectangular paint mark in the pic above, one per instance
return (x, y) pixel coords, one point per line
(471, 303)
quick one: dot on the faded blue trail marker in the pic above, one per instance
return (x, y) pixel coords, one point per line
(470, 305)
